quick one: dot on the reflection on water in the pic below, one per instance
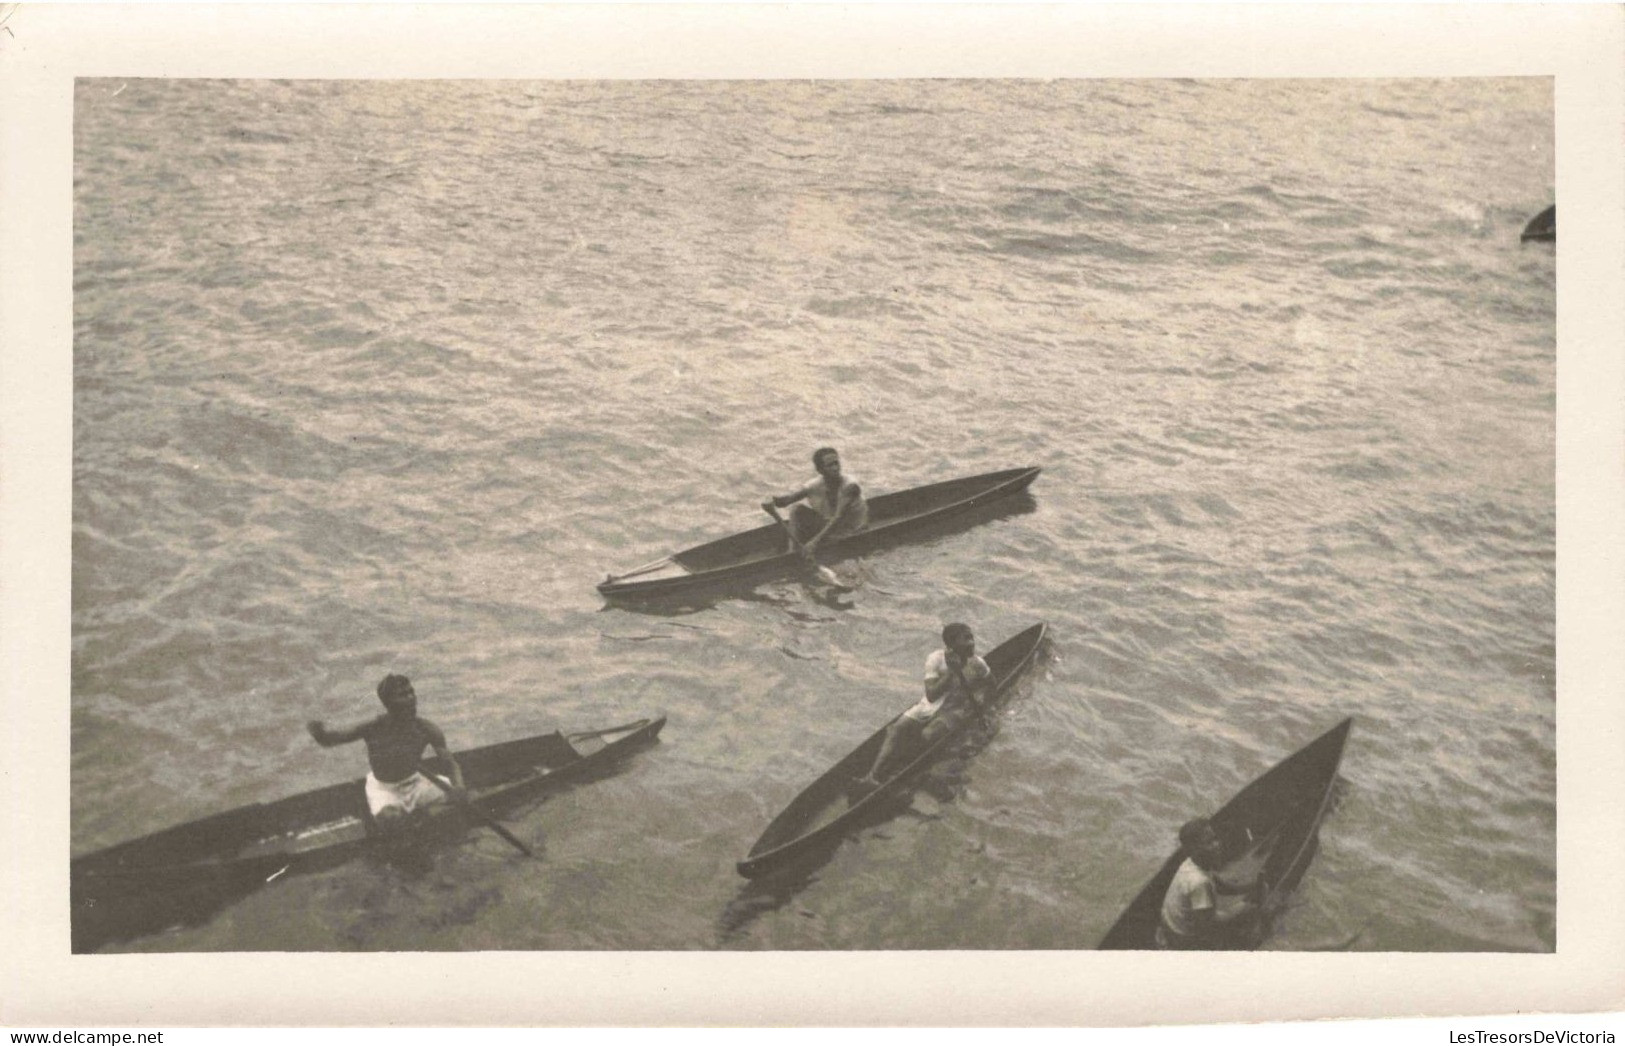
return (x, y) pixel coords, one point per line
(111, 920)
(770, 892)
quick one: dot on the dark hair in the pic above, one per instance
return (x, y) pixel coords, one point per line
(821, 451)
(953, 631)
(392, 685)
(1193, 834)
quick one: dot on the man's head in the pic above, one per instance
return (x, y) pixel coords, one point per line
(396, 692)
(959, 638)
(827, 461)
(1201, 842)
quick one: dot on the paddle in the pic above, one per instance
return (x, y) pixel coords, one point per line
(823, 573)
(479, 815)
(652, 565)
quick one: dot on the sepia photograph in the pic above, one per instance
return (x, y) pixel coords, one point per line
(826, 514)
(1220, 412)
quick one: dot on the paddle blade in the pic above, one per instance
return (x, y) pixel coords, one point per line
(479, 815)
(509, 836)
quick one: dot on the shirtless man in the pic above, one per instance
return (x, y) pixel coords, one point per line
(954, 676)
(1191, 914)
(395, 744)
(834, 503)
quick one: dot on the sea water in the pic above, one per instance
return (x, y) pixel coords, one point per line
(386, 376)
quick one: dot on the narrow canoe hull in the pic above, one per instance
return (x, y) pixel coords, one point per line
(1282, 810)
(759, 555)
(192, 869)
(1542, 227)
(827, 808)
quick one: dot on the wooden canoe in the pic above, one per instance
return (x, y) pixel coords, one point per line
(1274, 821)
(828, 806)
(1542, 227)
(117, 892)
(760, 555)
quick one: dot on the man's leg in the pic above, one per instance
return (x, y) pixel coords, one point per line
(804, 522)
(902, 731)
(388, 811)
(887, 743)
(421, 792)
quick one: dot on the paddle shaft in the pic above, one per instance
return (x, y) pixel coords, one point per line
(823, 573)
(478, 814)
(655, 564)
(789, 531)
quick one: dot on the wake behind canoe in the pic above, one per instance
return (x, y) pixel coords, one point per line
(829, 806)
(760, 554)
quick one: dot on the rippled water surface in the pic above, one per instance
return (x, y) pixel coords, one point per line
(384, 376)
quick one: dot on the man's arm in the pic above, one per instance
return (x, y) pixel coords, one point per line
(843, 504)
(975, 689)
(437, 741)
(978, 688)
(937, 684)
(1241, 903)
(781, 500)
(1202, 908)
(328, 738)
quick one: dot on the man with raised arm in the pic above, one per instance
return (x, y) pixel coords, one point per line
(395, 741)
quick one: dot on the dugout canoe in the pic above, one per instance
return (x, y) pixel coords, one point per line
(1542, 227)
(238, 850)
(1275, 821)
(760, 555)
(828, 806)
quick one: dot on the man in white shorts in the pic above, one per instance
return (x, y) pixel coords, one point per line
(395, 743)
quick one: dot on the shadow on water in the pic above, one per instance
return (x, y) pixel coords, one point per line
(769, 893)
(102, 920)
(193, 900)
(836, 597)
(402, 864)
(186, 899)
(772, 891)
(1282, 900)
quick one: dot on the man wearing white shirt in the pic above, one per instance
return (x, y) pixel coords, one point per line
(954, 676)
